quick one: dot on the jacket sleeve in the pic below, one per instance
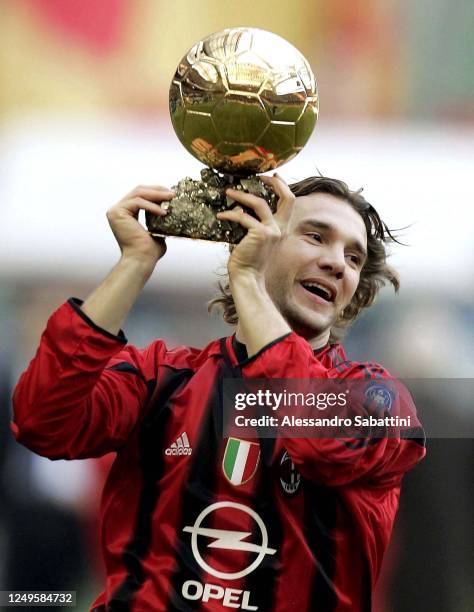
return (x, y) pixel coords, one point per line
(339, 460)
(82, 393)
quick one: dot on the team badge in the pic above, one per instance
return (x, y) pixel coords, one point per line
(379, 396)
(240, 460)
(290, 478)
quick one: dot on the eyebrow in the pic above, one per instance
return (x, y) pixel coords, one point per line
(313, 223)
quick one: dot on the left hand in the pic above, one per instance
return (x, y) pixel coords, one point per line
(250, 256)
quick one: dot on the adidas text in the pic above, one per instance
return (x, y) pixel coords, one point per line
(178, 451)
(180, 447)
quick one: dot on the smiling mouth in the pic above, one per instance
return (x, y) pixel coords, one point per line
(319, 290)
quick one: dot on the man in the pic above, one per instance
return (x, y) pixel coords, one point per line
(305, 522)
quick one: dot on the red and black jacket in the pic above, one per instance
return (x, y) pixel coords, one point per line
(86, 393)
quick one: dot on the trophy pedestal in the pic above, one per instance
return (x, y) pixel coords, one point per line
(192, 213)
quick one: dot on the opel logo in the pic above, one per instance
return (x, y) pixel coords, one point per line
(229, 540)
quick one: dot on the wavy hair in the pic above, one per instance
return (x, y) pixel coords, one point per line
(374, 274)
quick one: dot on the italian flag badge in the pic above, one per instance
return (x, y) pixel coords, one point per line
(240, 460)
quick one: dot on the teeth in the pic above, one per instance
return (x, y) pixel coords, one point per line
(327, 293)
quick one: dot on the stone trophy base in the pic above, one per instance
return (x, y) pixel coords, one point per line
(192, 213)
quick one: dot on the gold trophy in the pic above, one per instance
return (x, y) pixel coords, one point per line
(243, 101)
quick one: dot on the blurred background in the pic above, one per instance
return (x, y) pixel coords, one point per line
(84, 118)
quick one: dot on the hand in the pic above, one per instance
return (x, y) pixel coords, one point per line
(250, 256)
(133, 239)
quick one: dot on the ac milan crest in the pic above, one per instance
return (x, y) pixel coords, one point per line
(290, 478)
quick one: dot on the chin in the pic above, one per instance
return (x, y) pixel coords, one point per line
(308, 325)
(306, 322)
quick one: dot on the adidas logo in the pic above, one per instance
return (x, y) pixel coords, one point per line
(180, 447)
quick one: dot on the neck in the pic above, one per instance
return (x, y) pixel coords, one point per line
(319, 341)
(316, 342)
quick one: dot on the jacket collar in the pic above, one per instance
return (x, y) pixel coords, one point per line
(330, 355)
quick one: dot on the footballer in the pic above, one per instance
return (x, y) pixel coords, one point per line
(192, 520)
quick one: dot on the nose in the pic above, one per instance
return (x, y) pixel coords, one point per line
(333, 261)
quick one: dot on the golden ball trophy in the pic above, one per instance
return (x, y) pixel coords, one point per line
(243, 101)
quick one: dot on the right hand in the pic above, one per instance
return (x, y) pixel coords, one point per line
(133, 239)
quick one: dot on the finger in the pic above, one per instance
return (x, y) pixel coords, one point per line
(151, 207)
(134, 205)
(153, 194)
(278, 184)
(258, 205)
(152, 187)
(286, 198)
(238, 215)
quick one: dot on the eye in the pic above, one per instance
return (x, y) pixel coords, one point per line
(316, 237)
(354, 259)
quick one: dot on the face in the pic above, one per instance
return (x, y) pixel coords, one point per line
(316, 266)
